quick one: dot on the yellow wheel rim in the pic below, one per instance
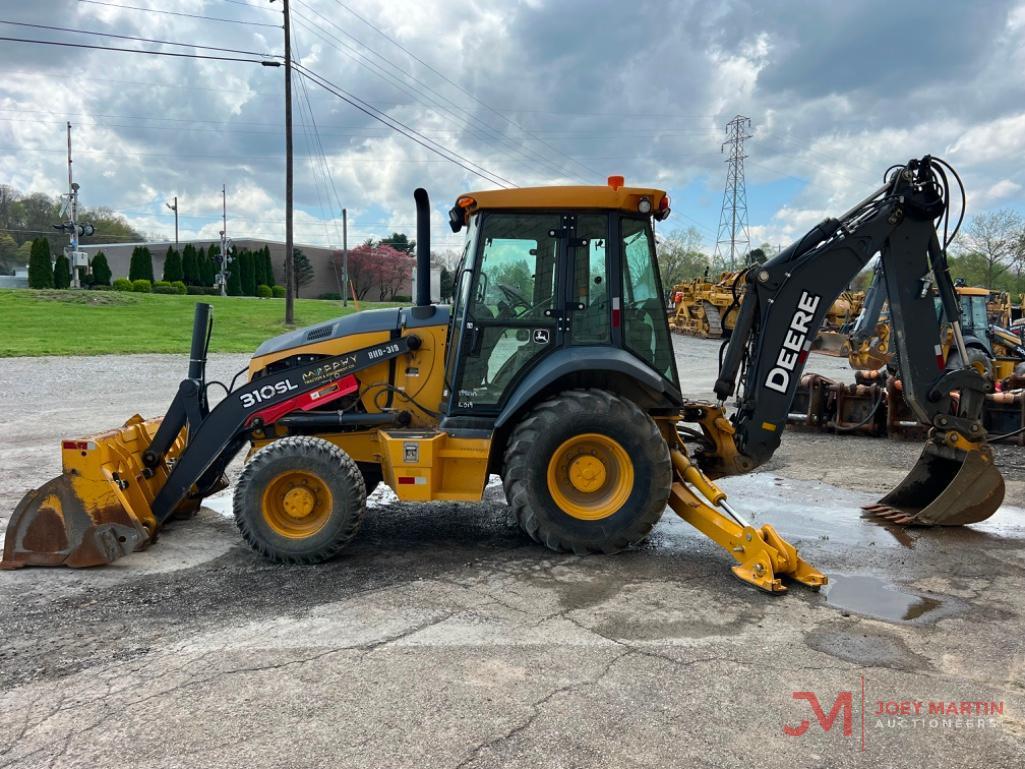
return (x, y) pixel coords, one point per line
(590, 476)
(296, 504)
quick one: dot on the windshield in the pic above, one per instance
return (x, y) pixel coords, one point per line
(973, 312)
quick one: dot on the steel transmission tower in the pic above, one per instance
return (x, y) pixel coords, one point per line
(734, 240)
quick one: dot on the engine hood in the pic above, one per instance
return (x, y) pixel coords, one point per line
(365, 321)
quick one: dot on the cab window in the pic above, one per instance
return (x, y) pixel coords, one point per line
(645, 330)
(590, 286)
(509, 322)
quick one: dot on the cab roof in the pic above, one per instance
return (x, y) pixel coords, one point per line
(972, 291)
(613, 196)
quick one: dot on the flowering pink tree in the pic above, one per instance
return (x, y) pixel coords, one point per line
(377, 267)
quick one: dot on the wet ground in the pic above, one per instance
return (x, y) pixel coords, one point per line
(444, 638)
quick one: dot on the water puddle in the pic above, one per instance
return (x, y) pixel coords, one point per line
(830, 514)
(220, 504)
(877, 598)
(812, 510)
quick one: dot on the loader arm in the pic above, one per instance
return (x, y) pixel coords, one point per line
(784, 307)
(118, 488)
(217, 436)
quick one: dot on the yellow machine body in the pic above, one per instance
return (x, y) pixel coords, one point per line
(387, 419)
(420, 463)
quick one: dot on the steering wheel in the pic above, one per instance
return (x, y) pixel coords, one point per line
(516, 299)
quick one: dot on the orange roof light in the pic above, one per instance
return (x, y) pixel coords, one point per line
(663, 208)
(615, 182)
(466, 202)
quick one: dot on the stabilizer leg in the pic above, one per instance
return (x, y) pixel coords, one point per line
(763, 557)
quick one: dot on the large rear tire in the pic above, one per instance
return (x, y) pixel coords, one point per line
(978, 359)
(587, 472)
(299, 500)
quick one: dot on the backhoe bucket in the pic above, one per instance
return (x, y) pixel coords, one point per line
(99, 508)
(831, 343)
(948, 486)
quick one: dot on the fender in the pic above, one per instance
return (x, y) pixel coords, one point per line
(593, 359)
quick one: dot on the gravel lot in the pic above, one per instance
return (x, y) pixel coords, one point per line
(444, 638)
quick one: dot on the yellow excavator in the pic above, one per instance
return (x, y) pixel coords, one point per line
(554, 369)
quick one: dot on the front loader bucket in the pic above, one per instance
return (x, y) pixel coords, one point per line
(52, 527)
(98, 509)
(947, 487)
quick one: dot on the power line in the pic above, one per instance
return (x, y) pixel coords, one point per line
(57, 234)
(252, 5)
(131, 37)
(425, 89)
(316, 132)
(459, 87)
(318, 168)
(137, 50)
(181, 13)
(404, 129)
(344, 130)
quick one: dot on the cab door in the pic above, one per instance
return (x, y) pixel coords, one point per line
(515, 306)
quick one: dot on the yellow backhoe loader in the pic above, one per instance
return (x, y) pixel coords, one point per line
(554, 369)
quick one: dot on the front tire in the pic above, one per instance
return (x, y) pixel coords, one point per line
(299, 500)
(587, 472)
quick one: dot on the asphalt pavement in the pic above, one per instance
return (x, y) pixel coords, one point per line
(443, 637)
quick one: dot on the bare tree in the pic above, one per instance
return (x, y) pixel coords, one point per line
(448, 258)
(7, 198)
(680, 256)
(997, 237)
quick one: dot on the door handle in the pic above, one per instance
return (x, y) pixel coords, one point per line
(475, 341)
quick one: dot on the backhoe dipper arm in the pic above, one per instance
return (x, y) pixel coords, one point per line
(787, 299)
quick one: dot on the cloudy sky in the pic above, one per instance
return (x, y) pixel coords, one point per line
(524, 93)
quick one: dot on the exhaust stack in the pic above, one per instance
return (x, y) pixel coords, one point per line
(422, 301)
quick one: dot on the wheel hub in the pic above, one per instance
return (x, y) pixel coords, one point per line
(587, 473)
(299, 502)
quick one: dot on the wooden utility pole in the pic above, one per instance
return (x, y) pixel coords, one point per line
(289, 255)
(175, 209)
(73, 213)
(222, 277)
(345, 258)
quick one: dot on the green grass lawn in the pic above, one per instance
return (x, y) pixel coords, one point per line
(109, 322)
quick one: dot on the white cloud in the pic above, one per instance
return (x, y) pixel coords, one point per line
(583, 91)
(1002, 190)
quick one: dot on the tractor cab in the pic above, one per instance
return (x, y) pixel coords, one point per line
(974, 310)
(557, 284)
(974, 315)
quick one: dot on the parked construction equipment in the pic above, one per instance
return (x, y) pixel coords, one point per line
(554, 369)
(705, 309)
